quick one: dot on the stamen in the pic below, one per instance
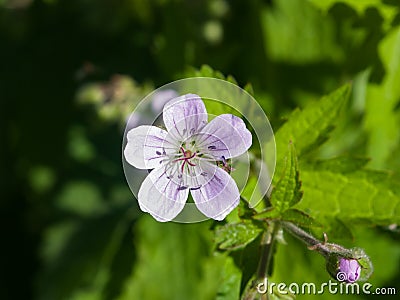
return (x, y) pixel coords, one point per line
(195, 188)
(187, 154)
(192, 164)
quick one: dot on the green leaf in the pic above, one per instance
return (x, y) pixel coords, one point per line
(299, 218)
(269, 213)
(342, 164)
(287, 191)
(244, 209)
(381, 120)
(360, 6)
(231, 279)
(389, 49)
(292, 215)
(207, 71)
(174, 262)
(335, 229)
(237, 235)
(309, 128)
(313, 43)
(368, 195)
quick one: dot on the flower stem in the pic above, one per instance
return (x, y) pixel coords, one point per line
(267, 244)
(313, 244)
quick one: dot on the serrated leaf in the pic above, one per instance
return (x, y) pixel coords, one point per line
(309, 128)
(299, 218)
(368, 195)
(207, 71)
(269, 213)
(287, 191)
(249, 88)
(237, 235)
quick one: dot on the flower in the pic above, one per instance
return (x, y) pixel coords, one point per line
(351, 268)
(184, 158)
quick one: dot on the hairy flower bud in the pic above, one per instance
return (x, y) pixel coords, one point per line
(350, 268)
(343, 269)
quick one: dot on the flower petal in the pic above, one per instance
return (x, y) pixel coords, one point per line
(148, 146)
(161, 195)
(185, 115)
(225, 136)
(216, 194)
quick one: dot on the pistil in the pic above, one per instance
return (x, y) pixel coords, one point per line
(187, 155)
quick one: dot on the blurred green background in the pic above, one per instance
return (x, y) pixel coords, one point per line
(72, 70)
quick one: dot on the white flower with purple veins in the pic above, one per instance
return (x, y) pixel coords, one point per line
(184, 158)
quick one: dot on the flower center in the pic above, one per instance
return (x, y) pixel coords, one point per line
(187, 155)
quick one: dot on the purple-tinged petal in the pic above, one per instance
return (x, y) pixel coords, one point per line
(216, 193)
(225, 136)
(148, 146)
(162, 195)
(185, 115)
(351, 268)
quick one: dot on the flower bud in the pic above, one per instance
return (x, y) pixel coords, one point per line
(349, 267)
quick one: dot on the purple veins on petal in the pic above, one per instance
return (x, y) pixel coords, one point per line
(229, 131)
(139, 151)
(218, 195)
(160, 196)
(183, 113)
(190, 147)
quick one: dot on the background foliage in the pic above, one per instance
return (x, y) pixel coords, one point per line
(70, 73)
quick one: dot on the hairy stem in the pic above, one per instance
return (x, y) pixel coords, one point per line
(313, 244)
(267, 244)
